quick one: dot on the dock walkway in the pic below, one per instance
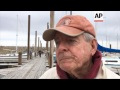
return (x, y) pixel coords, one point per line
(31, 70)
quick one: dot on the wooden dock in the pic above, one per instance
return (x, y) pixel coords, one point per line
(33, 69)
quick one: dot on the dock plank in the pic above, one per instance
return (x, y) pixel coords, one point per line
(38, 68)
(18, 73)
(31, 70)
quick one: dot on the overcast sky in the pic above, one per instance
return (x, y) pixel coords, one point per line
(14, 26)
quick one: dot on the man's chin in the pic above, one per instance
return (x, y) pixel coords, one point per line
(66, 66)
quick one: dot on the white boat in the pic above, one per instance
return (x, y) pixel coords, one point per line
(111, 61)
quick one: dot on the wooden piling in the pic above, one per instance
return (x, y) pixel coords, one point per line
(52, 41)
(35, 43)
(28, 50)
(20, 58)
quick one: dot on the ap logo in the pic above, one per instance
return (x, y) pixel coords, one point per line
(98, 16)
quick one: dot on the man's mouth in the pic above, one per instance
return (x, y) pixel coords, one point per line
(65, 57)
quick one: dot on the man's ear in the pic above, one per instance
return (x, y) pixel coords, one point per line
(94, 45)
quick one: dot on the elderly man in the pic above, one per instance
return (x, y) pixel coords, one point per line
(76, 51)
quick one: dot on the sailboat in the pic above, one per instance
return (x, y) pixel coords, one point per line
(13, 52)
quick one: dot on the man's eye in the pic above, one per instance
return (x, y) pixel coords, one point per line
(71, 41)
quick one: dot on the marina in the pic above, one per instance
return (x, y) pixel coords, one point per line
(29, 65)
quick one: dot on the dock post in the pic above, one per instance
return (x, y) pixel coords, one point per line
(20, 58)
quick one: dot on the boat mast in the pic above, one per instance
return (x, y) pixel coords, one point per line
(117, 40)
(17, 34)
(70, 12)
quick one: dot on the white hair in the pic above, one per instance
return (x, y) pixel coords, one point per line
(88, 37)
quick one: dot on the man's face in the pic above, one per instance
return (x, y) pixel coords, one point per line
(72, 53)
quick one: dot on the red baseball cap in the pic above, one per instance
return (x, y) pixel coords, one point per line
(71, 25)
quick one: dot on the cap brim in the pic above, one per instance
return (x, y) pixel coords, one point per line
(69, 31)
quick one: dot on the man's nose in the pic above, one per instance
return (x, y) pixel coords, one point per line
(63, 46)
